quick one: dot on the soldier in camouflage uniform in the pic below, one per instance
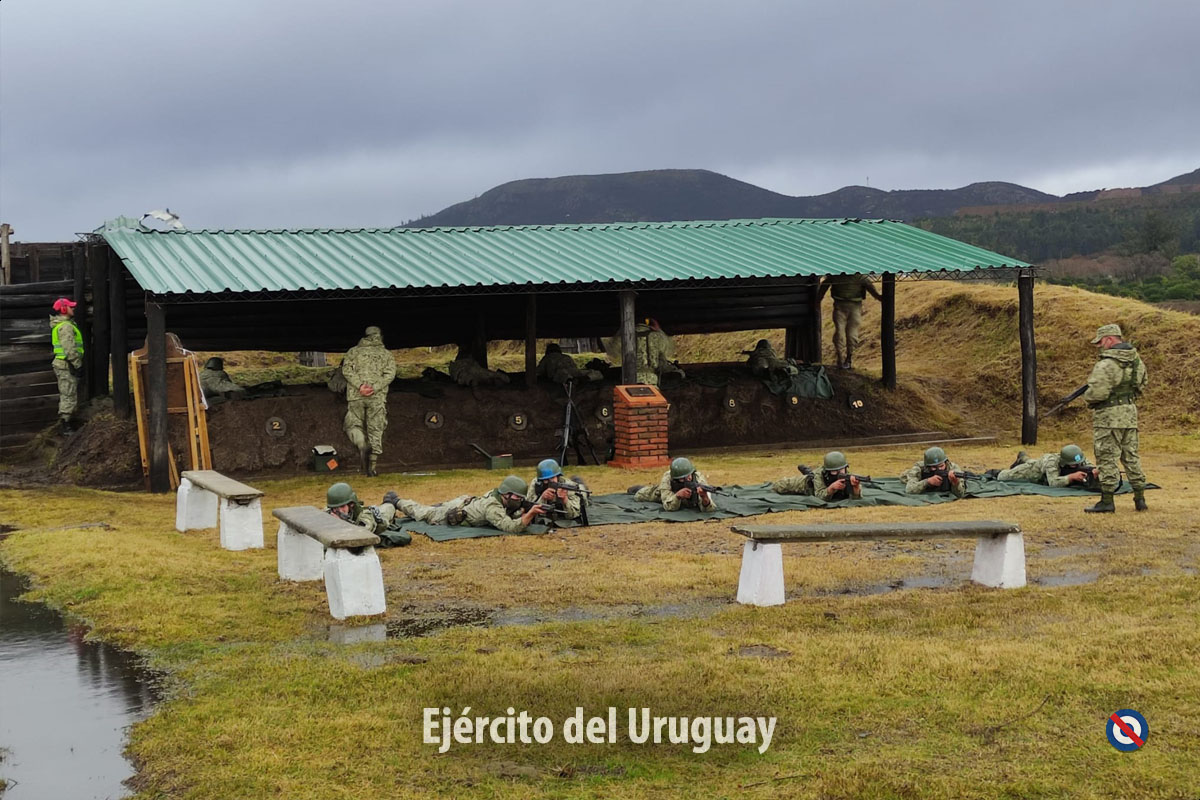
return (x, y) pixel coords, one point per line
(833, 482)
(342, 502)
(848, 292)
(1116, 382)
(215, 381)
(674, 499)
(570, 504)
(466, 371)
(655, 353)
(500, 508)
(925, 475)
(368, 369)
(765, 362)
(68, 360)
(559, 367)
(1058, 470)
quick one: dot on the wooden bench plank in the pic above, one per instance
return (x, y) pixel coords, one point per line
(878, 530)
(217, 483)
(325, 527)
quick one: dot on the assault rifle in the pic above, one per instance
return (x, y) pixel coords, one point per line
(1093, 476)
(574, 433)
(547, 515)
(929, 472)
(568, 486)
(691, 483)
(1066, 401)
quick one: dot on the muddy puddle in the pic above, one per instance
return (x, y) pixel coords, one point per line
(65, 704)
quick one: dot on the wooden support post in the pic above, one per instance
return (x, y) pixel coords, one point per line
(78, 292)
(97, 265)
(887, 330)
(809, 336)
(1029, 422)
(35, 264)
(628, 338)
(117, 336)
(156, 397)
(6, 230)
(480, 342)
(531, 341)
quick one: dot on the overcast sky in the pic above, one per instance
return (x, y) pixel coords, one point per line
(299, 113)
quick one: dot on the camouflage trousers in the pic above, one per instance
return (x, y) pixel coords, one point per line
(1029, 471)
(68, 388)
(795, 484)
(434, 515)
(1112, 444)
(847, 318)
(370, 412)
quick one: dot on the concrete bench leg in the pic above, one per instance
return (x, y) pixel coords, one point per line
(354, 583)
(241, 525)
(301, 557)
(761, 581)
(1000, 561)
(195, 508)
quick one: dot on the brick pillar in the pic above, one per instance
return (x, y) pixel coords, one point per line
(640, 422)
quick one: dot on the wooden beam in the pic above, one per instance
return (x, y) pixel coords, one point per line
(808, 345)
(6, 230)
(877, 530)
(118, 315)
(531, 341)
(628, 338)
(156, 397)
(887, 330)
(96, 256)
(1029, 421)
(82, 321)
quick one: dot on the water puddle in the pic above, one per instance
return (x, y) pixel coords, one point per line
(1066, 579)
(911, 582)
(66, 704)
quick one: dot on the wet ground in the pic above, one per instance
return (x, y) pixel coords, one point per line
(65, 705)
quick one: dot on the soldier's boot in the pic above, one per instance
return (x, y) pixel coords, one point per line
(635, 489)
(371, 471)
(1021, 456)
(65, 427)
(1139, 500)
(991, 474)
(1105, 506)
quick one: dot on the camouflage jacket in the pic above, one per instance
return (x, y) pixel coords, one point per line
(813, 484)
(489, 512)
(847, 288)
(572, 505)
(466, 371)
(376, 519)
(662, 493)
(915, 484)
(765, 360)
(558, 367)
(371, 363)
(1118, 372)
(655, 350)
(1049, 465)
(216, 381)
(72, 350)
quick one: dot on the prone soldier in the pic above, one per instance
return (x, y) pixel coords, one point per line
(343, 503)
(504, 508)
(559, 367)
(833, 482)
(567, 499)
(681, 486)
(765, 362)
(1059, 470)
(215, 382)
(935, 473)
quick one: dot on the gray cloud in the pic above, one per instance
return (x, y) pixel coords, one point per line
(273, 113)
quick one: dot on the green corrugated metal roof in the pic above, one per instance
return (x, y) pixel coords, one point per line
(217, 261)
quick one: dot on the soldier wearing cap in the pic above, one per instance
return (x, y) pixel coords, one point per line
(935, 472)
(502, 509)
(368, 369)
(1116, 382)
(833, 481)
(68, 360)
(1059, 470)
(848, 291)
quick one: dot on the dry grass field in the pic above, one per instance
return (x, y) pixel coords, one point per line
(891, 675)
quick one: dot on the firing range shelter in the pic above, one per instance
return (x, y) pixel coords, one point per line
(317, 289)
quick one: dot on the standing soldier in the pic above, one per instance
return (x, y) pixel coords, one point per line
(68, 360)
(368, 368)
(1116, 382)
(848, 291)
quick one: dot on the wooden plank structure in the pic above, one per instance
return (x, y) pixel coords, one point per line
(999, 550)
(178, 391)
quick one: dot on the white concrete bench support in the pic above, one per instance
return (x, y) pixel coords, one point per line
(999, 551)
(207, 498)
(314, 544)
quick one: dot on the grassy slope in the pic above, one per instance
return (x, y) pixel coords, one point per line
(908, 694)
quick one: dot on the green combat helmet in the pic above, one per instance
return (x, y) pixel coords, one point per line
(682, 467)
(341, 494)
(834, 460)
(1070, 455)
(215, 363)
(935, 456)
(513, 485)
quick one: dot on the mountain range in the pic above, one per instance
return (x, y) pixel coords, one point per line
(680, 194)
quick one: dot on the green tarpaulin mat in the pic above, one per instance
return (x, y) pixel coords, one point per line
(748, 501)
